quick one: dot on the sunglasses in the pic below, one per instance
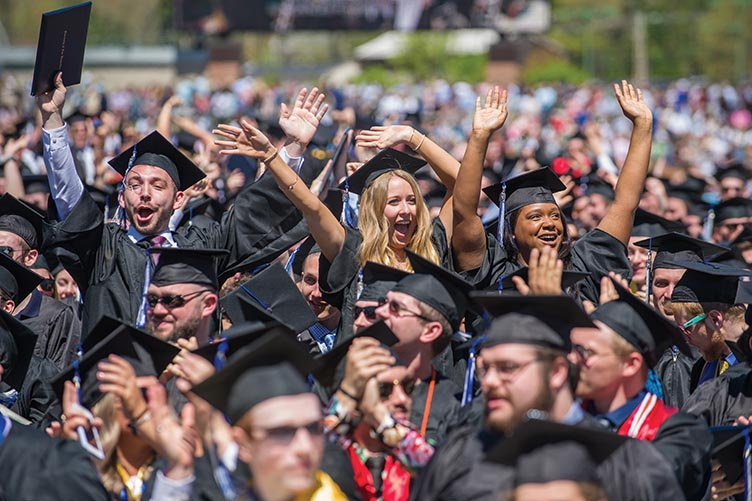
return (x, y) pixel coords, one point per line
(368, 311)
(386, 389)
(398, 309)
(692, 321)
(8, 251)
(172, 301)
(283, 435)
(47, 284)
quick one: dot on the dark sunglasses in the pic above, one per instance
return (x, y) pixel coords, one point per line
(47, 284)
(8, 250)
(172, 301)
(386, 389)
(398, 309)
(283, 435)
(368, 311)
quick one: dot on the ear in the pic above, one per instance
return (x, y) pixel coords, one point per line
(632, 364)
(716, 317)
(431, 332)
(179, 200)
(244, 449)
(559, 374)
(209, 305)
(30, 258)
(9, 306)
(121, 199)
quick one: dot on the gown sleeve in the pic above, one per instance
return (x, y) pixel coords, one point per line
(496, 264)
(598, 253)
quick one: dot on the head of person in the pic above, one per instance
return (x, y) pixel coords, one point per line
(730, 217)
(278, 425)
(694, 223)
(638, 260)
(676, 209)
(396, 385)
(16, 283)
(78, 131)
(20, 234)
(378, 280)
(326, 314)
(664, 281)
(732, 186)
(65, 285)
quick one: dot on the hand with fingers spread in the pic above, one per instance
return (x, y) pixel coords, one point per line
(489, 118)
(632, 103)
(608, 290)
(544, 274)
(51, 103)
(300, 122)
(382, 137)
(247, 141)
(117, 376)
(365, 359)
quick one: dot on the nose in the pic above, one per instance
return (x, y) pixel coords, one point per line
(159, 309)
(383, 311)
(302, 443)
(399, 397)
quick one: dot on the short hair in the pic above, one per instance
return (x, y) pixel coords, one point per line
(433, 315)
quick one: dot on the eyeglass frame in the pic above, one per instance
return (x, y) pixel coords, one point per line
(401, 310)
(505, 376)
(692, 321)
(408, 386)
(172, 297)
(368, 311)
(283, 436)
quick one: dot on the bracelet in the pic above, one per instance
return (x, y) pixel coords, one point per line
(290, 187)
(420, 143)
(271, 157)
(348, 394)
(138, 421)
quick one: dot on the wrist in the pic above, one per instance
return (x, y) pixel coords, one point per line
(480, 134)
(178, 472)
(348, 391)
(295, 149)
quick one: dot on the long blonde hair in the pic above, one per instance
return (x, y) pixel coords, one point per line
(375, 228)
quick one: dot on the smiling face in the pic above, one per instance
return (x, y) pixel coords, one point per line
(638, 259)
(538, 226)
(664, 281)
(400, 212)
(309, 287)
(149, 198)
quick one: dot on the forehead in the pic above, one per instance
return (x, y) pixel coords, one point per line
(9, 238)
(150, 172)
(508, 352)
(398, 186)
(588, 336)
(287, 410)
(543, 207)
(397, 373)
(672, 275)
(311, 264)
(401, 297)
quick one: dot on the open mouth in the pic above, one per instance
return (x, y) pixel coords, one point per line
(549, 239)
(402, 228)
(144, 215)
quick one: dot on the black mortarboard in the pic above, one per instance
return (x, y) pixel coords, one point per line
(36, 184)
(61, 45)
(546, 451)
(274, 365)
(728, 450)
(743, 237)
(536, 186)
(76, 116)
(647, 224)
(602, 188)
(378, 279)
(568, 278)
(385, 161)
(41, 263)
(148, 355)
(733, 208)
(326, 371)
(155, 150)
(16, 349)
(16, 280)
(270, 295)
(20, 218)
(708, 283)
(640, 325)
(735, 170)
(302, 252)
(675, 247)
(439, 288)
(179, 265)
(698, 208)
(537, 320)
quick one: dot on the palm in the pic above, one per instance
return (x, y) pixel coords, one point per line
(492, 115)
(631, 101)
(384, 137)
(300, 123)
(248, 141)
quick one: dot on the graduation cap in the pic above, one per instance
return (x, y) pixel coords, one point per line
(155, 150)
(148, 355)
(270, 295)
(179, 265)
(16, 280)
(385, 161)
(729, 443)
(237, 338)
(674, 247)
(272, 366)
(735, 170)
(36, 184)
(378, 279)
(303, 250)
(76, 116)
(61, 45)
(537, 320)
(536, 186)
(733, 208)
(744, 237)
(708, 283)
(439, 288)
(546, 451)
(647, 224)
(640, 325)
(21, 219)
(17, 344)
(598, 187)
(379, 331)
(568, 278)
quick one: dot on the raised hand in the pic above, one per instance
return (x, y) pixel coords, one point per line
(300, 122)
(385, 137)
(365, 359)
(632, 104)
(545, 270)
(565, 196)
(117, 376)
(493, 114)
(52, 101)
(248, 141)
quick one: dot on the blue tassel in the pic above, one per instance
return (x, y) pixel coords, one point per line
(467, 391)
(653, 384)
(255, 297)
(502, 222)
(221, 357)
(747, 466)
(649, 272)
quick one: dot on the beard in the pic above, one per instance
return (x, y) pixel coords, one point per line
(182, 330)
(544, 400)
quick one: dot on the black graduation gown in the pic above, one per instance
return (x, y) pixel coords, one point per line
(109, 268)
(57, 326)
(36, 467)
(446, 412)
(339, 280)
(458, 472)
(36, 395)
(596, 253)
(720, 401)
(674, 369)
(699, 366)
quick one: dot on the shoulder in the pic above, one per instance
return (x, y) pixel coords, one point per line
(598, 238)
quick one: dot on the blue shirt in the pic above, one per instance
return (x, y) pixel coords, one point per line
(324, 337)
(616, 417)
(709, 371)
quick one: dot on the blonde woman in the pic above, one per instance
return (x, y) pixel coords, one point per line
(392, 214)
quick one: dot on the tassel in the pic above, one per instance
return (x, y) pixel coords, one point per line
(221, 357)
(467, 391)
(707, 228)
(502, 222)
(653, 384)
(747, 466)
(649, 272)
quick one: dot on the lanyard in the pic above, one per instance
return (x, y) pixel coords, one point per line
(429, 400)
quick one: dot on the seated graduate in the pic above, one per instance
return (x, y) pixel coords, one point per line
(523, 368)
(531, 218)
(705, 305)
(108, 260)
(392, 215)
(277, 425)
(614, 360)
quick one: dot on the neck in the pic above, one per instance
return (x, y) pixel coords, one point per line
(20, 306)
(563, 402)
(202, 333)
(132, 453)
(626, 390)
(419, 364)
(331, 322)
(400, 256)
(715, 350)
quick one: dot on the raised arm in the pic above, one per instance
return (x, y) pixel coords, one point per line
(619, 217)
(469, 236)
(251, 142)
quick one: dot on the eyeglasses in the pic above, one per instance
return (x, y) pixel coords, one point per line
(283, 435)
(368, 311)
(171, 301)
(138, 188)
(506, 371)
(692, 321)
(386, 389)
(8, 250)
(398, 309)
(47, 284)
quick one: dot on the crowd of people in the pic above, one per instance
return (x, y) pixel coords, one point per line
(426, 292)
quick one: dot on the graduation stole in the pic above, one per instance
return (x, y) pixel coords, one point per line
(645, 420)
(396, 485)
